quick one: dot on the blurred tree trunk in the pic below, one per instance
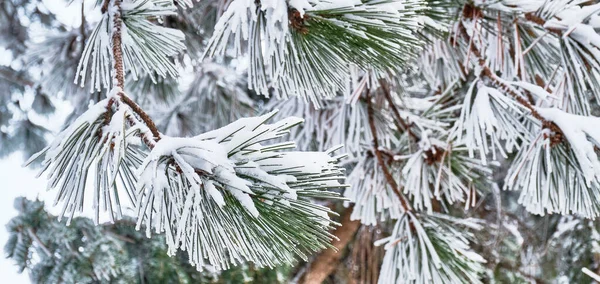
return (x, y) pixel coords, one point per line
(327, 261)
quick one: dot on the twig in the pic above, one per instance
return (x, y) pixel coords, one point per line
(105, 6)
(119, 76)
(143, 116)
(388, 176)
(32, 234)
(119, 72)
(398, 119)
(488, 73)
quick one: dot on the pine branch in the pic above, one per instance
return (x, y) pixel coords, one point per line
(380, 160)
(145, 118)
(119, 77)
(146, 48)
(118, 69)
(398, 118)
(488, 73)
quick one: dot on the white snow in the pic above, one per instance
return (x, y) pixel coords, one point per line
(489, 124)
(583, 133)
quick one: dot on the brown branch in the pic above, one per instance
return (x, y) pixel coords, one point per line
(398, 119)
(119, 76)
(488, 73)
(379, 156)
(104, 8)
(143, 116)
(118, 72)
(327, 261)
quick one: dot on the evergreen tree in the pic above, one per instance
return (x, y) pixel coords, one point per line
(469, 132)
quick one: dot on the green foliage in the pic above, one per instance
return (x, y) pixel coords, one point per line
(109, 253)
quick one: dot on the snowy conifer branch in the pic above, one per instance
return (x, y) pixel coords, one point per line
(488, 113)
(433, 101)
(557, 177)
(379, 156)
(145, 47)
(306, 48)
(93, 147)
(398, 120)
(226, 197)
(118, 75)
(440, 171)
(430, 249)
(227, 175)
(501, 84)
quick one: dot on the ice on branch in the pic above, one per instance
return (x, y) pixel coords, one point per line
(306, 49)
(235, 199)
(430, 249)
(95, 149)
(147, 48)
(560, 178)
(489, 122)
(441, 171)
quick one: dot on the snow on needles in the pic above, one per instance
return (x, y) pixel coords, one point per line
(578, 130)
(284, 46)
(201, 185)
(140, 58)
(230, 164)
(417, 245)
(489, 114)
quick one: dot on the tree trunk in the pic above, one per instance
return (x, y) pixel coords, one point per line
(327, 261)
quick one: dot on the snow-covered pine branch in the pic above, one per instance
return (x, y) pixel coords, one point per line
(372, 199)
(440, 171)
(434, 95)
(430, 248)
(195, 189)
(560, 177)
(96, 148)
(489, 115)
(226, 177)
(580, 50)
(147, 48)
(306, 48)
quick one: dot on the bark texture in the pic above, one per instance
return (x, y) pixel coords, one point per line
(328, 260)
